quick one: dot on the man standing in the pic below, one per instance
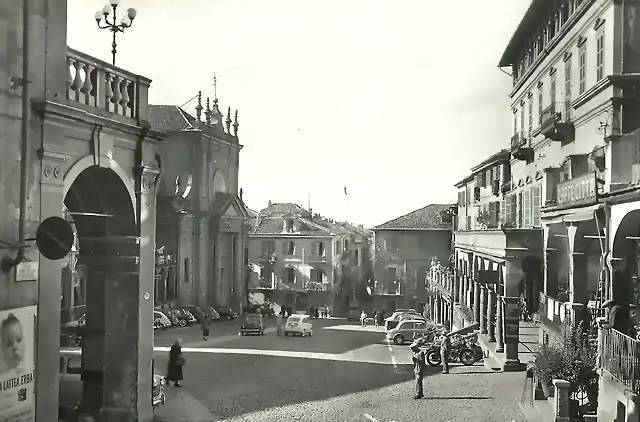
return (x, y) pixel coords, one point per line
(279, 319)
(419, 367)
(445, 347)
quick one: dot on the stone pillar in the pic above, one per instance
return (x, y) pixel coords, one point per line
(499, 324)
(217, 265)
(491, 315)
(483, 308)
(238, 281)
(562, 409)
(469, 290)
(511, 333)
(48, 291)
(476, 302)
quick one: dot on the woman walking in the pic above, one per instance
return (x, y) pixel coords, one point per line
(176, 362)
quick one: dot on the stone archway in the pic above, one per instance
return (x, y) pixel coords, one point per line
(588, 248)
(109, 248)
(624, 254)
(531, 282)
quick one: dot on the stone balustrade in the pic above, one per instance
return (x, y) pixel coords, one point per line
(93, 83)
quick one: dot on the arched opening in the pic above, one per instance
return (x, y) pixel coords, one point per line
(531, 282)
(108, 250)
(624, 255)
(557, 269)
(587, 259)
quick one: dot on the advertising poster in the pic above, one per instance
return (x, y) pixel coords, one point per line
(17, 368)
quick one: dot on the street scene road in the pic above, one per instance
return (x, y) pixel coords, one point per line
(344, 372)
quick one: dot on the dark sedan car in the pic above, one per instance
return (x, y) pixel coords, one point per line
(226, 313)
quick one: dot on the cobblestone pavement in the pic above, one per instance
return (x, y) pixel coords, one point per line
(329, 377)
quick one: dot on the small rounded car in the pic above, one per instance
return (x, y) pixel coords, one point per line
(298, 325)
(253, 324)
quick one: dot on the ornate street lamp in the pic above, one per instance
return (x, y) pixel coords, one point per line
(110, 24)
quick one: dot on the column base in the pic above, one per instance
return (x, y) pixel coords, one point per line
(483, 331)
(492, 338)
(499, 349)
(513, 365)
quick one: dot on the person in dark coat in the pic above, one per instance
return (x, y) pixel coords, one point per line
(176, 362)
(445, 348)
(206, 325)
(419, 368)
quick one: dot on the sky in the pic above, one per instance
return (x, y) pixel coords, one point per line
(396, 100)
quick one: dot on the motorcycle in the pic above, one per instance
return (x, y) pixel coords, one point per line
(465, 351)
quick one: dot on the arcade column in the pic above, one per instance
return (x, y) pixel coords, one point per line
(238, 281)
(483, 309)
(499, 324)
(491, 315)
(49, 276)
(476, 302)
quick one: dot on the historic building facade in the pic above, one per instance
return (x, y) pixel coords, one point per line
(298, 258)
(93, 159)
(202, 221)
(575, 66)
(404, 250)
(498, 251)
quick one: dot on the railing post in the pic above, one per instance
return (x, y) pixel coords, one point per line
(562, 406)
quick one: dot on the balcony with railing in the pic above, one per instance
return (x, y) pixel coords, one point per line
(620, 356)
(317, 258)
(557, 122)
(101, 88)
(520, 148)
(292, 256)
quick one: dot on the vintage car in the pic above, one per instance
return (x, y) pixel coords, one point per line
(70, 383)
(298, 325)
(253, 324)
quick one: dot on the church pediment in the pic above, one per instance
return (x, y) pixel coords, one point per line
(233, 208)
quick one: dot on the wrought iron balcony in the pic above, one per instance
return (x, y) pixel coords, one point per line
(99, 87)
(520, 148)
(620, 356)
(557, 123)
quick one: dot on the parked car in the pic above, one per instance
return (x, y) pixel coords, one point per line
(162, 319)
(408, 329)
(210, 312)
(196, 311)
(181, 317)
(70, 384)
(226, 313)
(393, 320)
(298, 325)
(171, 315)
(189, 315)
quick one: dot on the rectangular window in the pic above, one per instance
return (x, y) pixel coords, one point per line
(536, 194)
(600, 55)
(540, 103)
(582, 65)
(567, 79)
(530, 110)
(522, 117)
(290, 275)
(320, 248)
(515, 123)
(268, 247)
(552, 89)
(289, 248)
(290, 225)
(503, 211)
(526, 208)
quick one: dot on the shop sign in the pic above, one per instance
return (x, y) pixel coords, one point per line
(578, 190)
(17, 369)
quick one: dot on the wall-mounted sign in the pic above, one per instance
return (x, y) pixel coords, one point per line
(27, 271)
(578, 190)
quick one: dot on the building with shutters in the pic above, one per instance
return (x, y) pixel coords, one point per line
(498, 251)
(299, 259)
(404, 250)
(575, 66)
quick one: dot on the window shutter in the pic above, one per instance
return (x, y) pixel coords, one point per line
(526, 215)
(537, 196)
(507, 209)
(503, 211)
(285, 248)
(492, 214)
(514, 208)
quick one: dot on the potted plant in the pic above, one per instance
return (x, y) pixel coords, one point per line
(572, 358)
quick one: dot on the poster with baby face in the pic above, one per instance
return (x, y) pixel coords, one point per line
(17, 385)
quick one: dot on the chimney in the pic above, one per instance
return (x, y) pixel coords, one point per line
(311, 211)
(270, 203)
